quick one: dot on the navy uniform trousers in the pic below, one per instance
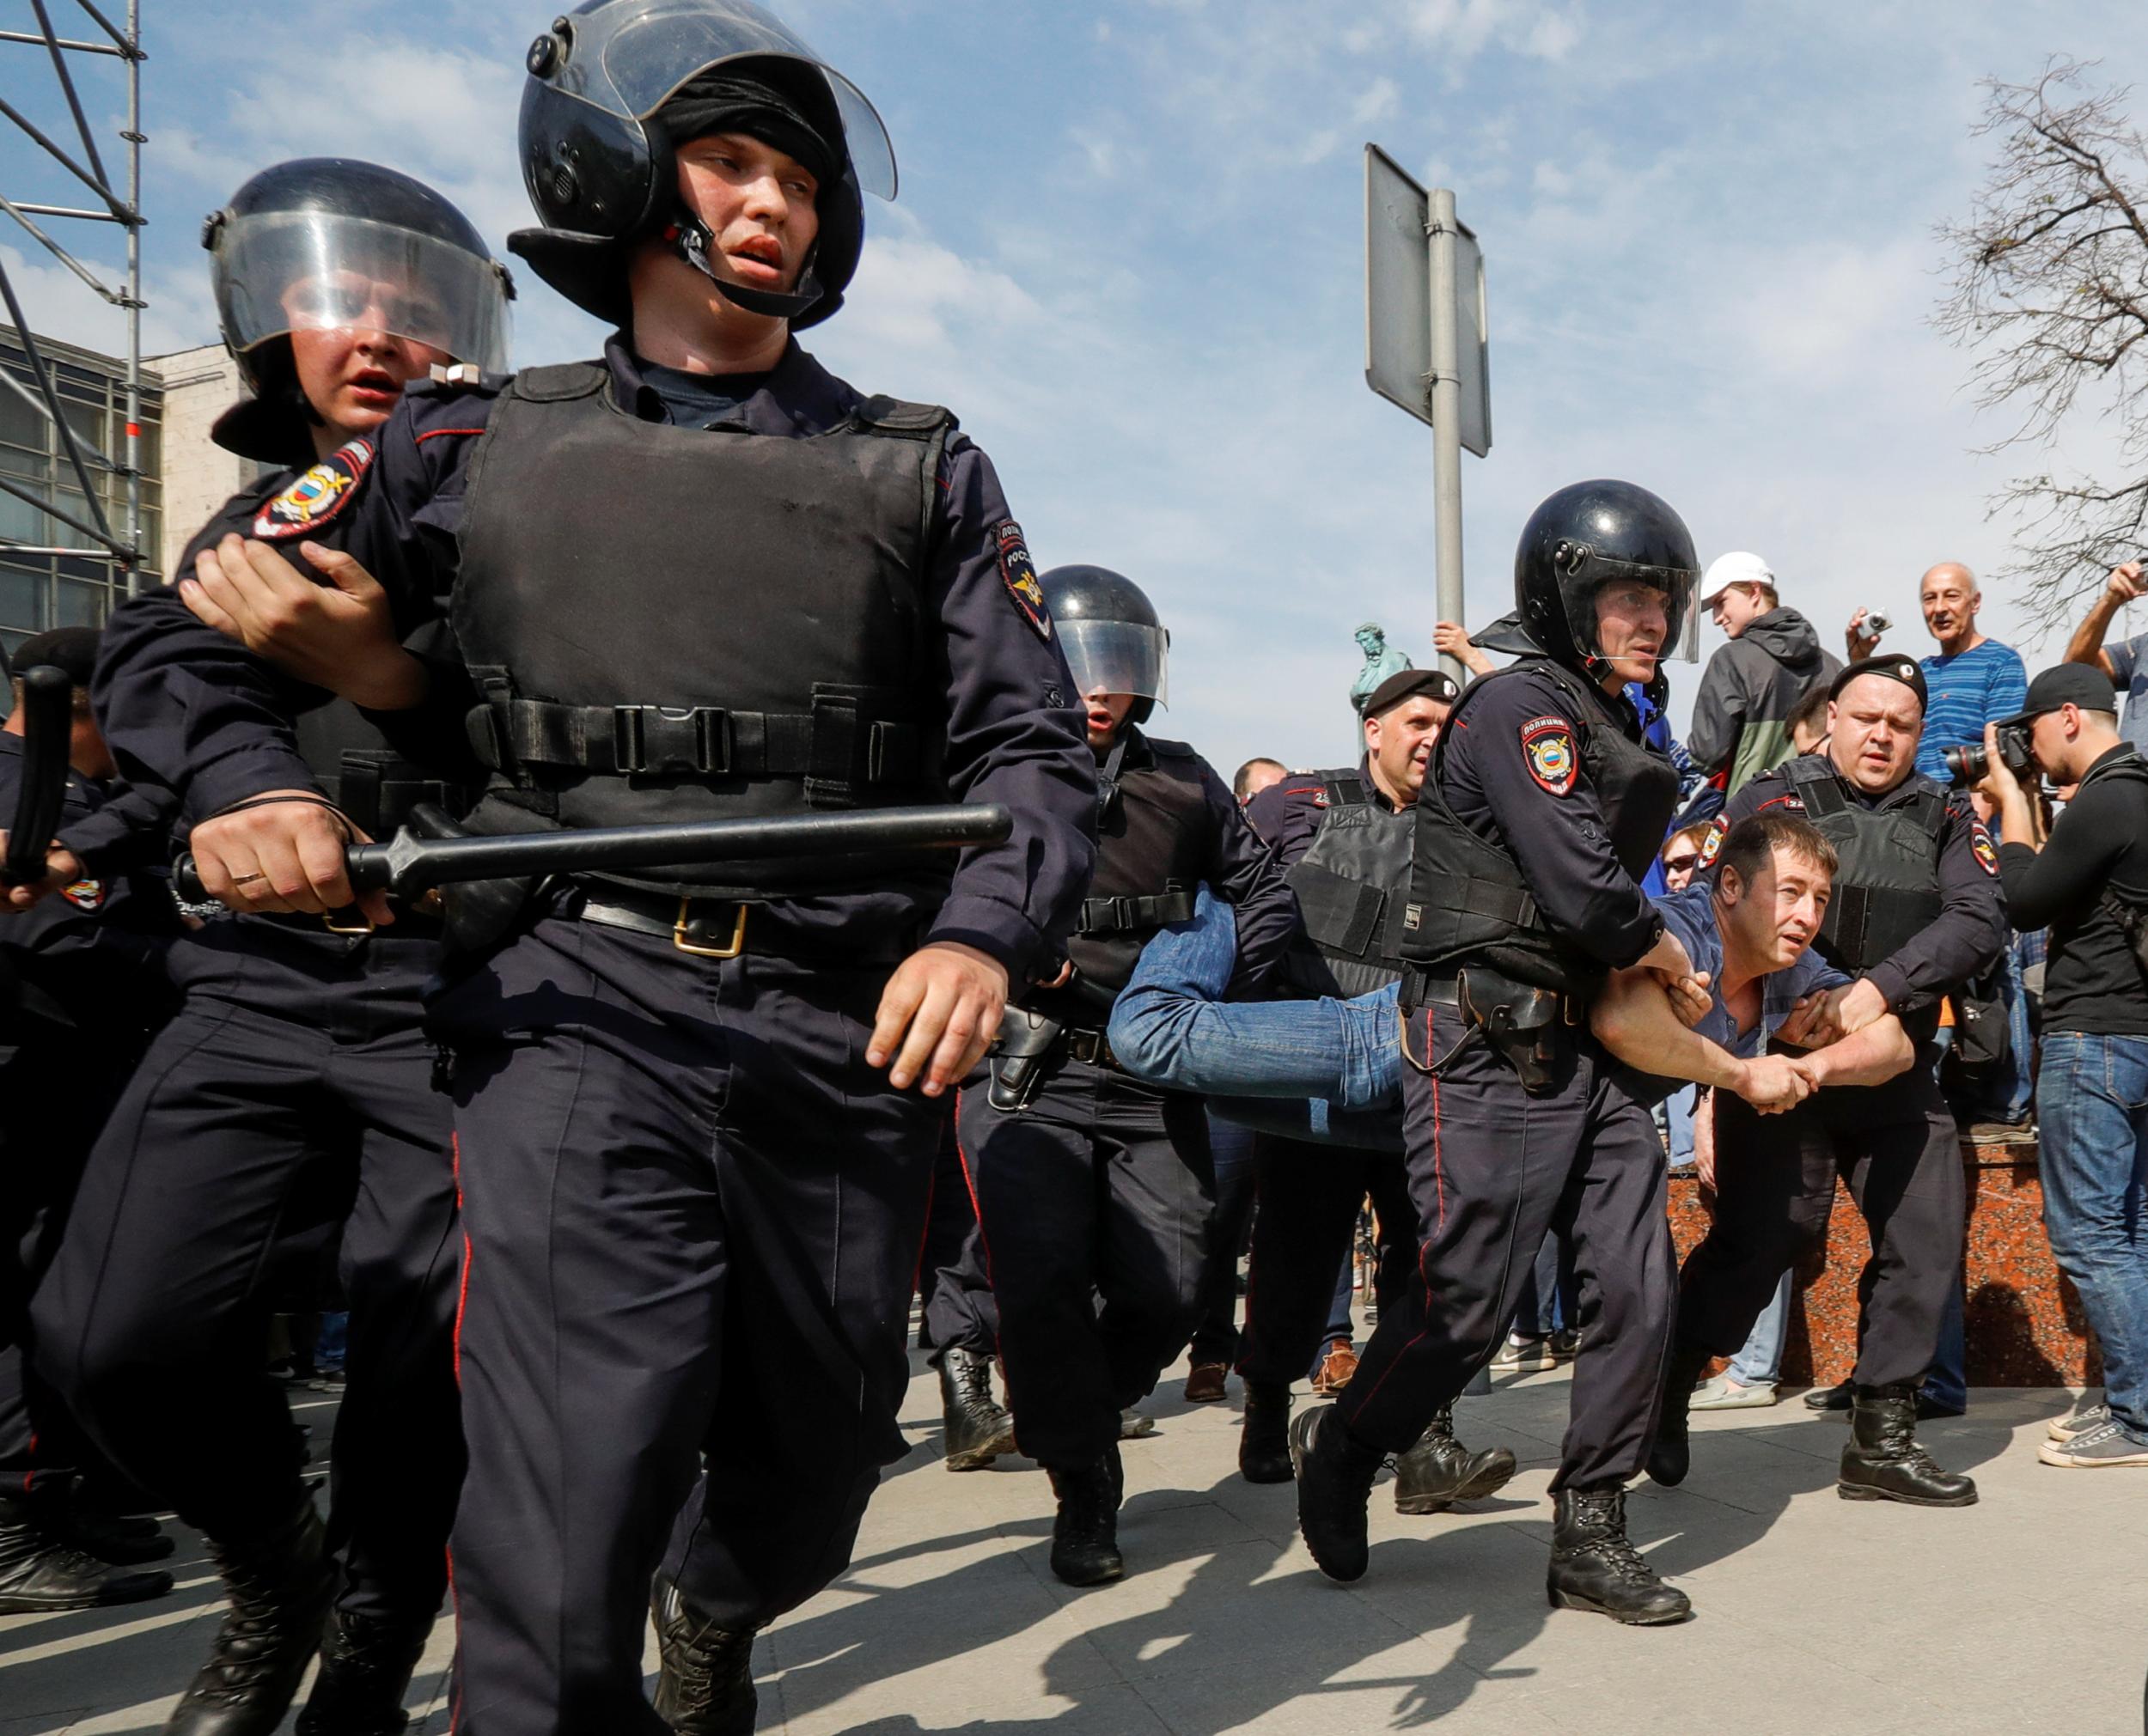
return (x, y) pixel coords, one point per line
(952, 1279)
(1303, 1222)
(1897, 1147)
(1093, 1206)
(293, 1090)
(55, 1088)
(694, 1215)
(1491, 1170)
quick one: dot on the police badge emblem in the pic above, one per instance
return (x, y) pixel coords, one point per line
(1547, 747)
(1018, 572)
(316, 496)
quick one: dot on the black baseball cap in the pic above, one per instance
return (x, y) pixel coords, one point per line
(72, 650)
(1408, 684)
(1892, 667)
(2068, 684)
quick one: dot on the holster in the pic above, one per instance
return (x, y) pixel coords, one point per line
(1521, 1021)
(1027, 1042)
(475, 914)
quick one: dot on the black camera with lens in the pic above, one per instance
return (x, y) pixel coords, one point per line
(1969, 765)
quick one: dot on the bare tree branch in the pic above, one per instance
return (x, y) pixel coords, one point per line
(2048, 293)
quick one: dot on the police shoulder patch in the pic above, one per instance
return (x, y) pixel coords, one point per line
(1712, 845)
(1982, 848)
(1018, 572)
(1547, 749)
(88, 895)
(318, 496)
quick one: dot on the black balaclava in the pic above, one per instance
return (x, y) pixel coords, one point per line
(762, 98)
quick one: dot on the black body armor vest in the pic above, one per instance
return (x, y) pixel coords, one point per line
(1155, 841)
(1351, 887)
(364, 776)
(673, 624)
(1469, 899)
(1887, 885)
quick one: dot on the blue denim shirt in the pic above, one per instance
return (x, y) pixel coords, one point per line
(1689, 915)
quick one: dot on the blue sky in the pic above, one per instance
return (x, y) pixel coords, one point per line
(1129, 251)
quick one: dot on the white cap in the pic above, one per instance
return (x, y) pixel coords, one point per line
(1737, 569)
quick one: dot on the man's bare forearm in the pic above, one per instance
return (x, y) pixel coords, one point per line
(1871, 1055)
(1632, 1018)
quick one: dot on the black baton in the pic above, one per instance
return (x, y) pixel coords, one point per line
(48, 720)
(408, 865)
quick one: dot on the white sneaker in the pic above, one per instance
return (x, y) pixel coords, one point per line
(2076, 1422)
(2104, 1446)
(1722, 1394)
(1525, 1356)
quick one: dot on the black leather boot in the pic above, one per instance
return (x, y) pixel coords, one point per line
(1439, 1471)
(280, 1586)
(705, 1681)
(128, 1539)
(1264, 1440)
(366, 1664)
(1334, 1486)
(1670, 1456)
(1594, 1568)
(41, 1569)
(973, 1429)
(1086, 1532)
(1882, 1460)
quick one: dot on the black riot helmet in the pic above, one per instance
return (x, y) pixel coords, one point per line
(1588, 535)
(1112, 636)
(598, 151)
(324, 242)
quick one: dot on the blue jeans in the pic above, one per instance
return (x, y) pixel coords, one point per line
(1761, 1363)
(1335, 1066)
(2092, 1109)
(1678, 1113)
(2010, 1091)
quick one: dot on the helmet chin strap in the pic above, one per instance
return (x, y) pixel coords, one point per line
(690, 239)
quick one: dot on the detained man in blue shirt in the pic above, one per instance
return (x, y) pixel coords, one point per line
(1330, 1069)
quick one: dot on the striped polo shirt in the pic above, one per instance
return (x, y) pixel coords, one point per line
(1967, 691)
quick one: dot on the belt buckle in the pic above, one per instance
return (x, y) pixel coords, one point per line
(333, 926)
(679, 939)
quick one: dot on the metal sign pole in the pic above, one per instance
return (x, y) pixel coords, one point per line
(1446, 384)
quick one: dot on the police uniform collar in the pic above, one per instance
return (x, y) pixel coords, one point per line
(1372, 788)
(798, 396)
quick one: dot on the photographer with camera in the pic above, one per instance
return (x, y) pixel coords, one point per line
(2092, 886)
(1916, 912)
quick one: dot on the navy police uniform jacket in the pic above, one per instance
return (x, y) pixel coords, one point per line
(91, 957)
(1500, 780)
(194, 710)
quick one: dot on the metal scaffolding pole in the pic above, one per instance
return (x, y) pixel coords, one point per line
(120, 549)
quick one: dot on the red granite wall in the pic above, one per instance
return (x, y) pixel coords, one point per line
(2025, 1327)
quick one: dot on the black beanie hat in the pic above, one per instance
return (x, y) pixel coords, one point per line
(760, 99)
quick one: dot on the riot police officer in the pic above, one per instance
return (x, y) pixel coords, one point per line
(293, 1092)
(1917, 912)
(82, 984)
(1093, 1190)
(1541, 809)
(701, 578)
(1343, 839)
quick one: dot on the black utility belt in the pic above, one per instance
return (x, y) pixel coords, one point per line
(1526, 1025)
(719, 927)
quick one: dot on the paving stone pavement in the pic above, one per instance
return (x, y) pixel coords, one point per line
(1815, 1616)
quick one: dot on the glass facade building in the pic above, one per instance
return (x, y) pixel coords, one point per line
(38, 591)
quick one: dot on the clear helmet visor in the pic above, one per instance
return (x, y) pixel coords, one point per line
(1117, 657)
(311, 271)
(1624, 587)
(632, 57)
